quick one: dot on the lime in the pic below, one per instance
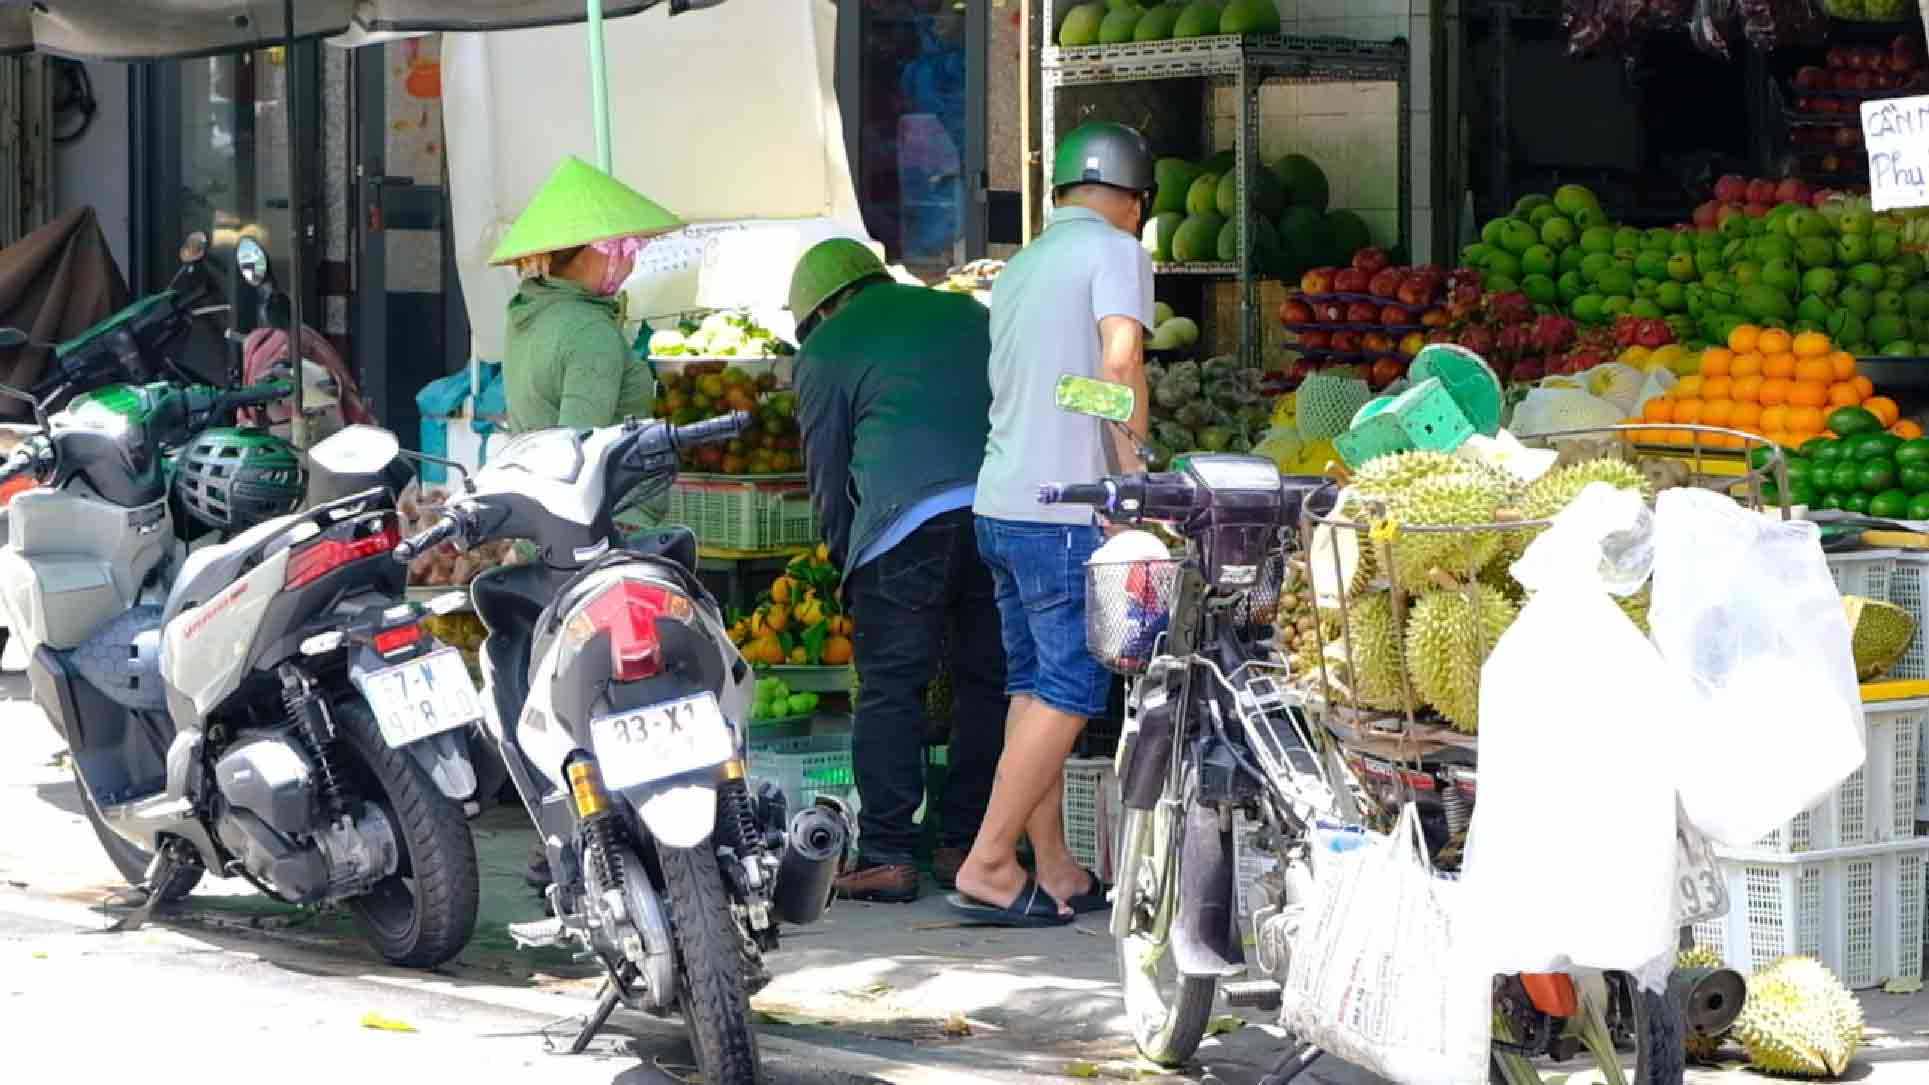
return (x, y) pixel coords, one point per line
(1875, 476)
(1830, 500)
(1798, 469)
(1869, 446)
(1913, 477)
(1821, 451)
(1889, 504)
(1800, 493)
(1858, 503)
(1845, 477)
(1919, 507)
(1916, 451)
(1849, 421)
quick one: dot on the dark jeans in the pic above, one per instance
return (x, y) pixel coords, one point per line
(926, 599)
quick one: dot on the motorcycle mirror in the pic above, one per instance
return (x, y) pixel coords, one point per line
(1095, 398)
(461, 471)
(194, 248)
(252, 261)
(355, 450)
(39, 413)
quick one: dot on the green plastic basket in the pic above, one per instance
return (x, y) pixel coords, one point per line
(731, 512)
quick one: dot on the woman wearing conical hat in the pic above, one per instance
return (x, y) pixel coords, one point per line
(565, 361)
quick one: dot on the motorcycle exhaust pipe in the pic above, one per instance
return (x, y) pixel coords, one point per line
(812, 850)
(1710, 998)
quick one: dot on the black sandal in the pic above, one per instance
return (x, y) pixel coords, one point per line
(1092, 900)
(1033, 908)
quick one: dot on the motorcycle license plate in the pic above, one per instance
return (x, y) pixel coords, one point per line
(422, 697)
(1700, 891)
(644, 745)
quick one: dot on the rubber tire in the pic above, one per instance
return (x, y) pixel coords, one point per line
(435, 841)
(1660, 1056)
(715, 1009)
(131, 860)
(1186, 1013)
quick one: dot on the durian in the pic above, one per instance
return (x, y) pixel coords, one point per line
(1879, 634)
(1376, 657)
(1554, 491)
(1701, 1048)
(1465, 499)
(1449, 635)
(1799, 1020)
(1636, 607)
(1384, 476)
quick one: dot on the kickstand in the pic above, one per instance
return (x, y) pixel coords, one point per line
(159, 873)
(1293, 1065)
(605, 1005)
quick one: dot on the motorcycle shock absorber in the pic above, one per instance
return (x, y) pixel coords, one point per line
(737, 817)
(1458, 807)
(601, 831)
(309, 718)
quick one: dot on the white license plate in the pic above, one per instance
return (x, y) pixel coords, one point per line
(649, 744)
(422, 697)
(1701, 893)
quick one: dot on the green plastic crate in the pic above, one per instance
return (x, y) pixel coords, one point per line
(731, 512)
(806, 767)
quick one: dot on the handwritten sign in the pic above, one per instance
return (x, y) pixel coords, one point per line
(1896, 131)
(684, 250)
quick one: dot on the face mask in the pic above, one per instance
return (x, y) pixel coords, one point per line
(619, 259)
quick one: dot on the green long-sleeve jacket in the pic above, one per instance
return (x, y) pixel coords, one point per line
(565, 361)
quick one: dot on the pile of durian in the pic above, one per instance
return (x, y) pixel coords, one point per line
(1799, 1020)
(1456, 595)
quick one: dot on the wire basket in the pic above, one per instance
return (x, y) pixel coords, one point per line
(1128, 605)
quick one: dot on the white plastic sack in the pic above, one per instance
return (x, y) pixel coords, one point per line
(1554, 410)
(1745, 610)
(1377, 977)
(1576, 711)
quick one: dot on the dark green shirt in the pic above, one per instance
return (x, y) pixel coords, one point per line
(565, 362)
(894, 401)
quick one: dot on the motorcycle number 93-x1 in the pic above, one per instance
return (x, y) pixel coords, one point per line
(620, 708)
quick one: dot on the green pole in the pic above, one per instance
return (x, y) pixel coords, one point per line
(599, 88)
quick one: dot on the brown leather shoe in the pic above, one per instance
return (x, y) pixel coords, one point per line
(944, 866)
(882, 883)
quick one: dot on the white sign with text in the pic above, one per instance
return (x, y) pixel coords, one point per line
(1896, 131)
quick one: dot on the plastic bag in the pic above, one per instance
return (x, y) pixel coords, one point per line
(1745, 610)
(1554, 410)
(1378, 976)
(1576, 711)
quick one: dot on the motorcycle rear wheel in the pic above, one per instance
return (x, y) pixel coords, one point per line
(716, 1011)
(1659, 1055)
(131, 860)
(1167, 1012)
(423, 914)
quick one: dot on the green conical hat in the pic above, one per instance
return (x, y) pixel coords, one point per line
(581, 205)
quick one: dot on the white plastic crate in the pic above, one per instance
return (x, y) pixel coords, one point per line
(1877, 804)
(1893, 576)
(1857, 910)
(1092, 813)
(806, 767)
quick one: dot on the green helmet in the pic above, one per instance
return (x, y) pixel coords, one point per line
(232, 478)
(1104, 153)
(823, 272)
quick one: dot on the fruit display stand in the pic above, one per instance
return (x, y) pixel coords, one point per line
(1245, 64)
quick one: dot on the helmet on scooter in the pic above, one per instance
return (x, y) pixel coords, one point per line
(232, 478)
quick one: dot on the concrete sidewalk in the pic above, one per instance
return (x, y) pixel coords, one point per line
(895, 992)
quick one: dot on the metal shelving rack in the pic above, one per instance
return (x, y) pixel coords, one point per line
(1247, 64)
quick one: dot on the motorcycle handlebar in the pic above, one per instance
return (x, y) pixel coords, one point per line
(422, 542)
(1098, 494)
(713, 431)
(253, 397)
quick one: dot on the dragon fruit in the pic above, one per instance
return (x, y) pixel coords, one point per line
(1552, 334)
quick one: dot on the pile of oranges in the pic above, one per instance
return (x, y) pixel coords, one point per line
(1772, 384)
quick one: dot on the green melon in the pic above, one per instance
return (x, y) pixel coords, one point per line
(1157, 23)
(1203, 197)
(1265, 244)
(1175, 177)
(1305, 182)
(1200, 18)
(1081, 25)
(1220, 162)
(1306, 234)
(1350, 232)
(1165, 226)
(1249, 17)
(1268, 197)
(1197, 240)
(1118, 26)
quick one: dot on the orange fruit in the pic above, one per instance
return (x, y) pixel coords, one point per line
(1814, 369)
(1746, 416)
(1774, 418)
(1733, 440)
(1688, 388)
(1842, 365)
(1746, 389)
(1908, 429)
(1775, 391)
(1863, 385)
(1717, 412)
(1803, 420)
(1808, 393)
(1778, 365)
(1884, 409)
(1748, 365)
(1810, 345)
(1773, 341)
(1717, 387)
(1715, 361)
(1657, 409)
(1688, 411)
(1843, 394)
(1777, 436)
(1743, 338)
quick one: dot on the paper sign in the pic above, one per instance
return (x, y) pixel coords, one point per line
(1896, 131)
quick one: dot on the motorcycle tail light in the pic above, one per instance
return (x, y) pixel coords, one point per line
(394, 640)
(627, 611)
(15, 486)
(341, 545)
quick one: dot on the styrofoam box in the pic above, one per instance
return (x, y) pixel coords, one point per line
(1857, 910)
(1092, 812)
(1878, 802)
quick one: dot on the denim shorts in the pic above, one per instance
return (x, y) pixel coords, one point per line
(1039, 573)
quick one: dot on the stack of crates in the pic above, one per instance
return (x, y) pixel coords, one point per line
(1092, 812)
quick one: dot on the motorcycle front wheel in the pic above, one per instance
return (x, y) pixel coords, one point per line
(423, 914)
(1167, 1011)
(716, 1011)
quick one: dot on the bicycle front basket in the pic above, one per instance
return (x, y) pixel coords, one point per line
(1127, 605)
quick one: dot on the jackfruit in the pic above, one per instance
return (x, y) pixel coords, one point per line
(1449, 636)
(1879, 633)
(1701, 1048)
(1799, 1020)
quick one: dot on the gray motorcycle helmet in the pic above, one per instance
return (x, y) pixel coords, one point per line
(1104, 153)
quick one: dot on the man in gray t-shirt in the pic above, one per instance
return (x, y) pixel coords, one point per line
(1077, 300)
